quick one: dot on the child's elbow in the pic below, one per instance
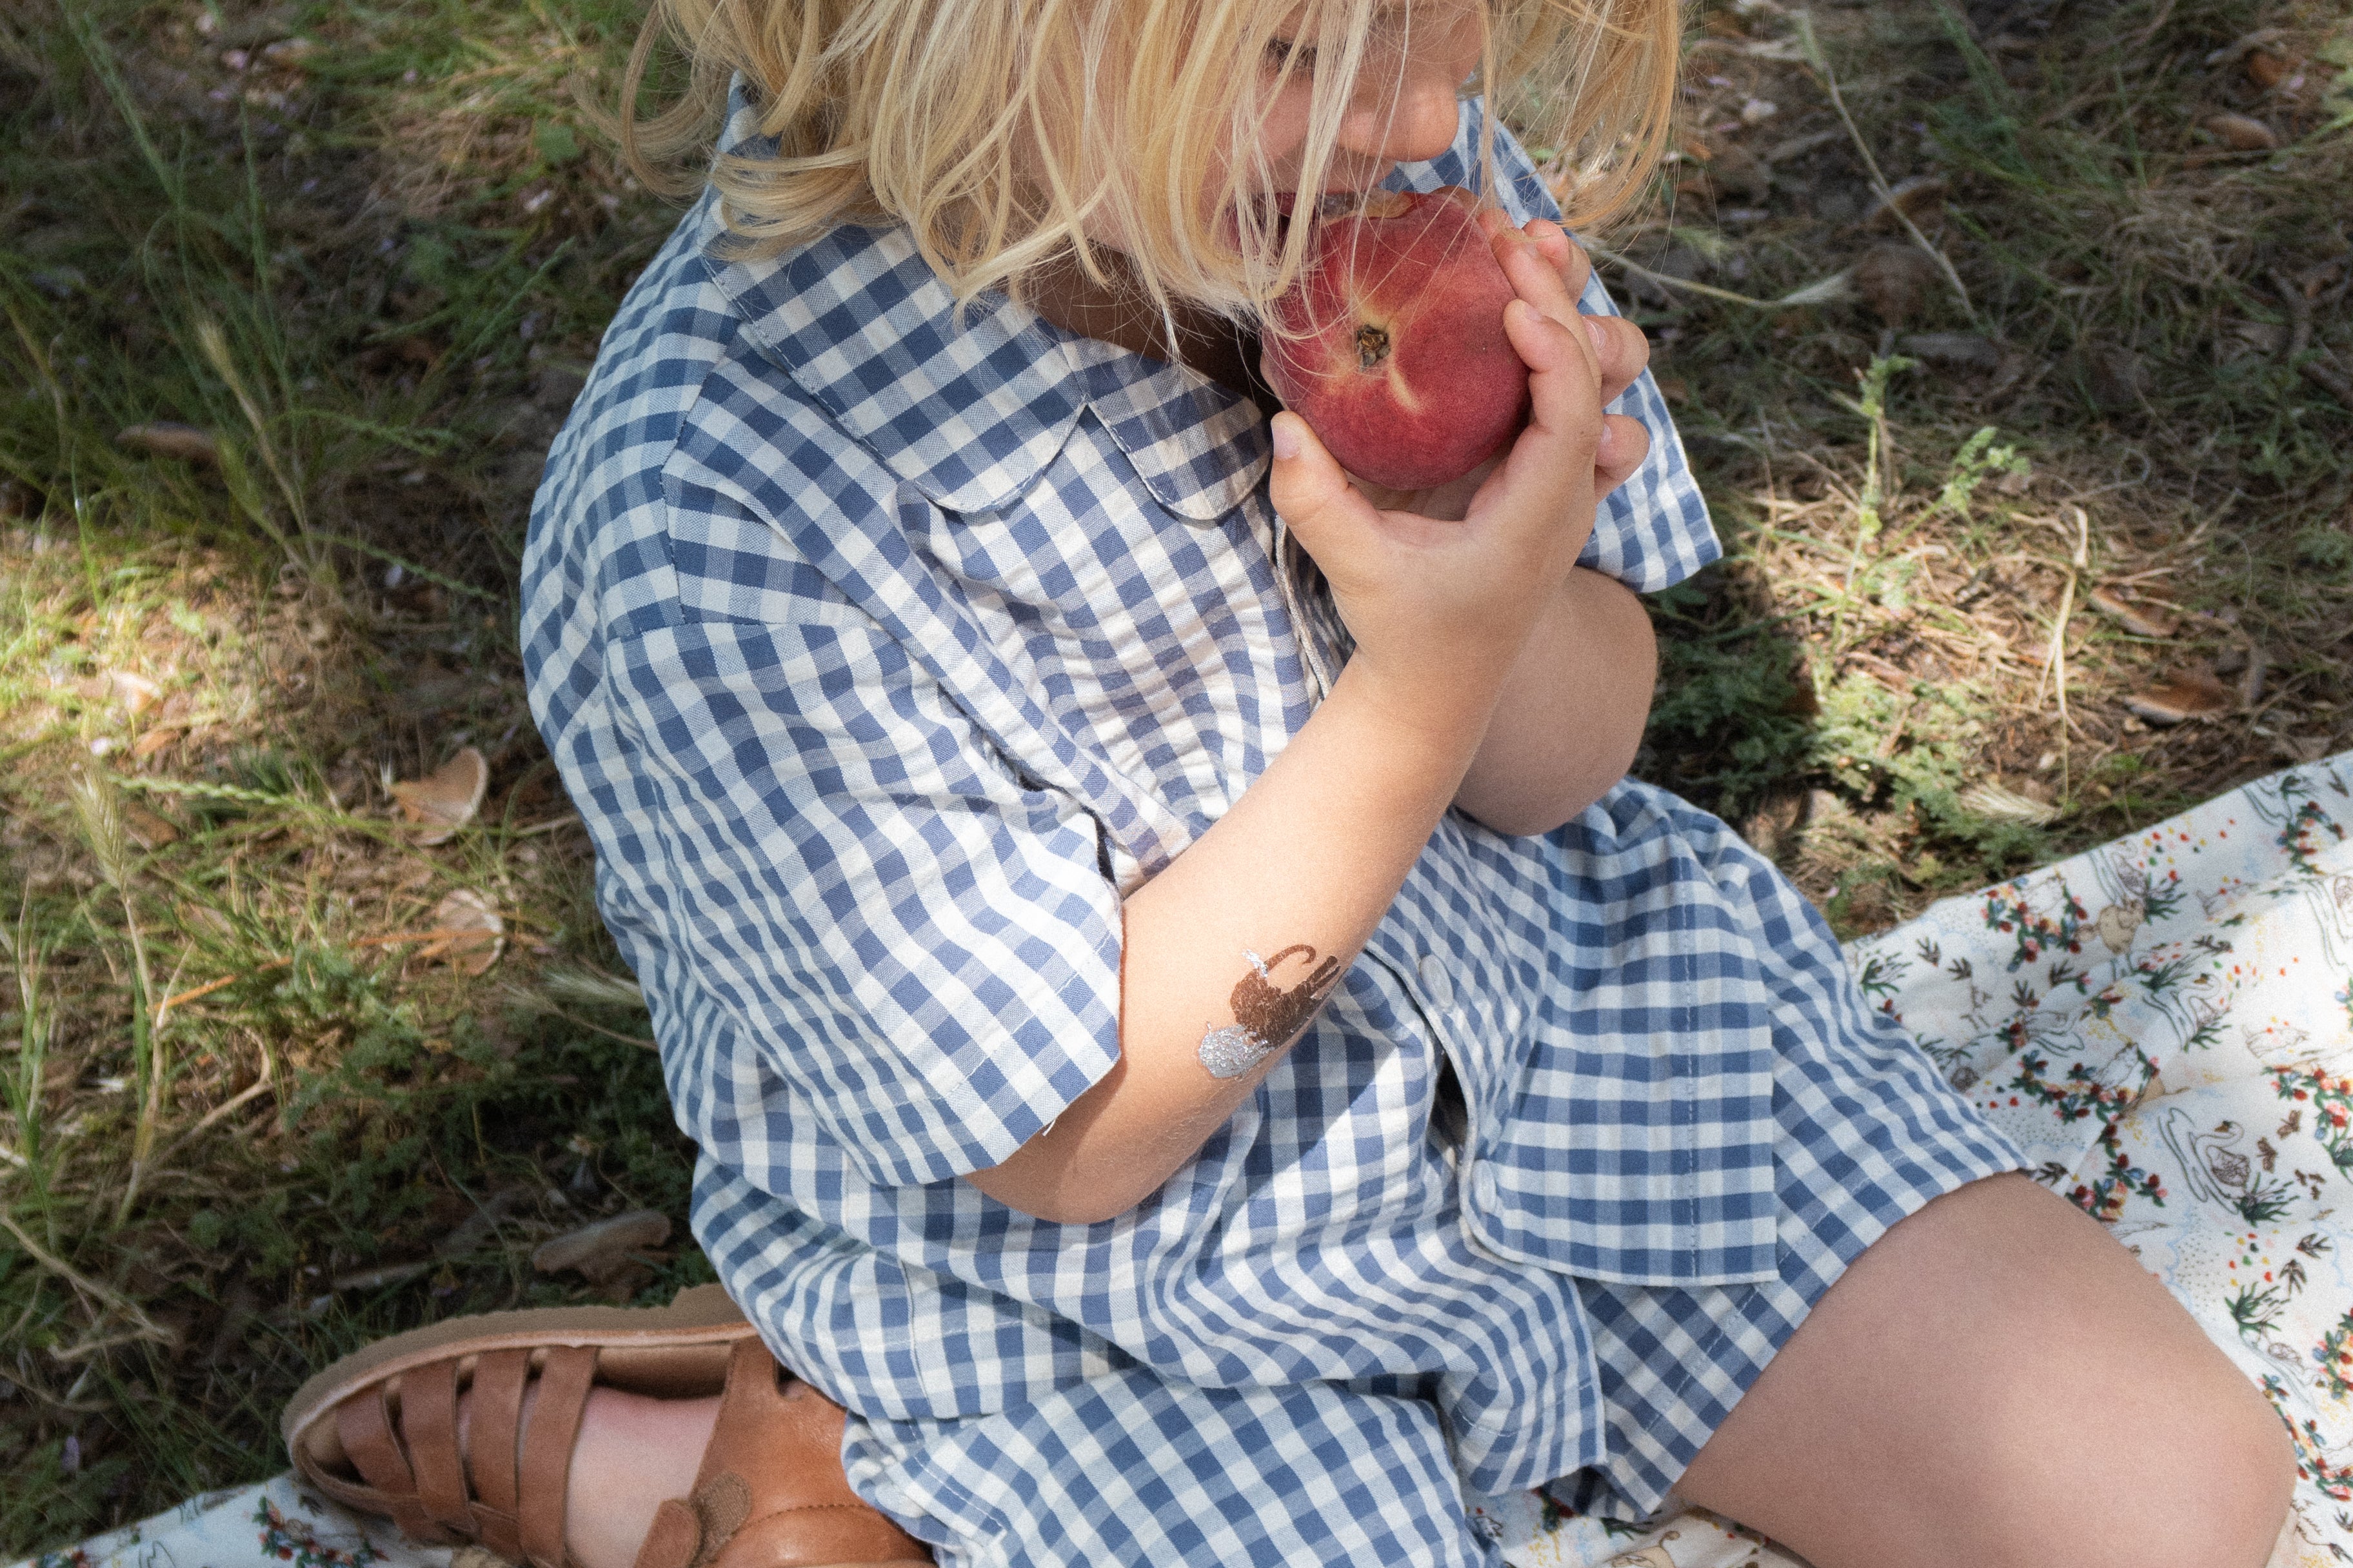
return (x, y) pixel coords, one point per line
(1041, 1190)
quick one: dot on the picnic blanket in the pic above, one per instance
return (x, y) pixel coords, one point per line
(2164, 1025)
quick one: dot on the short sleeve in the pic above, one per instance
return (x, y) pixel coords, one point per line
(920, 939)
(1651, 532)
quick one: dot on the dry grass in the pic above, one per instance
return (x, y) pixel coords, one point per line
(370, 263)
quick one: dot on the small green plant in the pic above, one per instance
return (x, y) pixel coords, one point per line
(2328, 550)
(1871, 404)
(1983, 457)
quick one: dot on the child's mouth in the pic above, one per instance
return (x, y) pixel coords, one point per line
(1281, 208)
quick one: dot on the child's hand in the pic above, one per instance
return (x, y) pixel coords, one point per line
(1439, 588)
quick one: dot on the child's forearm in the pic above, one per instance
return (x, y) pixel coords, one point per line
(1572, 709)
(1311, 854)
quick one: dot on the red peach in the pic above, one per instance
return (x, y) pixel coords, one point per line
(1392, 346)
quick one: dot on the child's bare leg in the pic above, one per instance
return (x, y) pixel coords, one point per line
(1996, 1382)
(632, 1455)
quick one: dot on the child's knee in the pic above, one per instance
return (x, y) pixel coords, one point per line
(2192, 1469)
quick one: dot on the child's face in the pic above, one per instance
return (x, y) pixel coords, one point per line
(1404, 109)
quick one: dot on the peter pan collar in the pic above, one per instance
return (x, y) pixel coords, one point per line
(970, 414)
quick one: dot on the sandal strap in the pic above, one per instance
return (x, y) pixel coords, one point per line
(429, 1423)
(771, 1490)
(500, 1378)
(363, 1423)
(565, 1379)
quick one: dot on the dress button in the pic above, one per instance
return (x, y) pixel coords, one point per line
(1436, 983)
(1482, 1185)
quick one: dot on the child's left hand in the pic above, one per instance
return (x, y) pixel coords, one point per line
(1620, 351)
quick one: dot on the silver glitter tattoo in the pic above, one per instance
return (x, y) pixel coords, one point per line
(1230, 1050)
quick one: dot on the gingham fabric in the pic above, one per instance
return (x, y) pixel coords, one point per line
(881, 657)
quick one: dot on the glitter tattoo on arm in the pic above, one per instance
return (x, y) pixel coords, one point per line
(1265, 1015)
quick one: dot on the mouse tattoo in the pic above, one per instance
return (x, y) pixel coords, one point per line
(1266, 1016)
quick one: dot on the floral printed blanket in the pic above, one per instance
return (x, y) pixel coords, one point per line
(2164, 1024)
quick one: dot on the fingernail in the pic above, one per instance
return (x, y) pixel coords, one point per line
(1598, 333)
(1286, 436)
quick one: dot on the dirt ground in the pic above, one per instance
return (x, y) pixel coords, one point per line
(2010, 343)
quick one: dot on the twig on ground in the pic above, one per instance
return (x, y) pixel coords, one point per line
(2320, 371)
(2054, 665)
(1829, 290)
(212, 1118)
(638, 1040)
(2299, 312)
(1820, 63)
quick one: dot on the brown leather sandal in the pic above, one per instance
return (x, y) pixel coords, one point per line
(377, 1431)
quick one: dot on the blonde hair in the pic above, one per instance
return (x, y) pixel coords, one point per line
(997, 130)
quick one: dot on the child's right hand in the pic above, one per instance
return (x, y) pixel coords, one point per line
(1440, 588)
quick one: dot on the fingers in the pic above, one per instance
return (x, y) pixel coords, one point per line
(1566, 429)
(1535, 279)
(1565, 422)
(1567, 256)
(1624, 444)
(1621, 350)
(1310, 491)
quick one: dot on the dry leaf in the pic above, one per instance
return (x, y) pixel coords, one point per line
(134, 694)
(1911, 197)
(2141, 619)
(2241, 132)
(154, 740)
(152, 831)
(474, 935)
(1893, 279)
(602, 1249)
(170, 438)
(2196, 695)
(446, 799)
(2266, 70)
(2245, 42)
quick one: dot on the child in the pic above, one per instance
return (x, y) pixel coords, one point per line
(1191, 1037)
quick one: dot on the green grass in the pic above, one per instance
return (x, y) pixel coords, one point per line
(373, 274)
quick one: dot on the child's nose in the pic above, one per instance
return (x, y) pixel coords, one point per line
(1412, 117)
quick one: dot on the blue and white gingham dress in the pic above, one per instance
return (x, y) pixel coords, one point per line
(882, 658)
